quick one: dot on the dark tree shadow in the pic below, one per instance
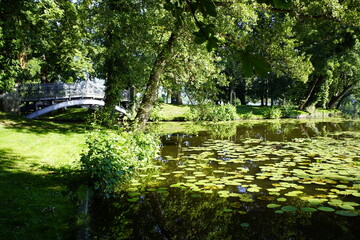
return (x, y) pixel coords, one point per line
(22, 124)
(36, 202)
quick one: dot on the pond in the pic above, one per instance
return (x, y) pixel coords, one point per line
(254, 180)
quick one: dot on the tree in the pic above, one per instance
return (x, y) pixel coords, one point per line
(41, 40)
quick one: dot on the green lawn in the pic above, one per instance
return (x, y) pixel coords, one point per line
(38, 178)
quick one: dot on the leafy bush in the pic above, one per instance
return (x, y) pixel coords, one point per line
(288, 110)
(248, 115)
(155, 113)
(273, 113)
(112, 158)
(212, 112)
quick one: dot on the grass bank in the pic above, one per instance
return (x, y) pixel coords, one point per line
(38, 178)
(169, 112)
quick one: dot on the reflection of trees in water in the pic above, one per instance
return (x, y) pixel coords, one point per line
(221, 130)
(183, 215)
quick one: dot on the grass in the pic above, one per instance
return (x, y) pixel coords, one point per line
(171, 112)
(74, 114)
(38, 178)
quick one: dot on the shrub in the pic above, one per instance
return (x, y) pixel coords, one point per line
(212, 112)
(273, 113)
(155, 113)
(112, 158)
(288, 110)
(248, 115)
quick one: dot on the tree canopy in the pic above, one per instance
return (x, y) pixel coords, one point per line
(302, 52)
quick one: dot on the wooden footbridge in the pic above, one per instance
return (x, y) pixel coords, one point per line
(38, 99)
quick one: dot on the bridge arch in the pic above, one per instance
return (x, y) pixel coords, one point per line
(70, 103)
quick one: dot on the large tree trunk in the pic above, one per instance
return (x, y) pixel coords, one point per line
(150, 94)
(333, 103)
(311, 95)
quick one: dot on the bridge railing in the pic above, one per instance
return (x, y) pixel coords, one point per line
(60, 90)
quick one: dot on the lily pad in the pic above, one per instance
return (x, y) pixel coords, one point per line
(134, 199)
(346, 213)
(308, 209)
(273, 205)
(289, 208)
(326, 209)
(228, 210)
(245, 225)
(133, 194)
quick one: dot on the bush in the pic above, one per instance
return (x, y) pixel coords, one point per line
(288, 110)
(112, 158)
(273, 113)
(248, 115)
(212, 112)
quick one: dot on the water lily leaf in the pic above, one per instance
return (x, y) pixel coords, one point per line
(288, 208)
(326, 209)
(346, 207)
(245, 225)
(279, 211)
(346, 213)
(308, 209)
(273, 205)
(133, 199)
(281, 199)
(133, 194)
(316, 201)
(228, 210)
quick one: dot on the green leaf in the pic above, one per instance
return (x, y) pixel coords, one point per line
(261, 66)
(210, 8)
(284, 4)
(289, 208)
(228, 210)
(326, 209)
(212, 44)
(244, 225)
(168, 6)
(346, 213)
(273, 205)
(199, 40)
(246, 65)
(308, 209)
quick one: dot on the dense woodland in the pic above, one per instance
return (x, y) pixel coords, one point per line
(299, 52)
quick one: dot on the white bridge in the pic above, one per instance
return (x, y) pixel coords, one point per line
(38, 99)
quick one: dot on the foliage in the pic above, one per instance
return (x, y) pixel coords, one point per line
(212, 112)
(248, 115)
(288, 110)
(273, 113)
(155, 113)
(113, 157)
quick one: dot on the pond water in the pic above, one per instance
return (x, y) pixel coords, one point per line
(264, 180)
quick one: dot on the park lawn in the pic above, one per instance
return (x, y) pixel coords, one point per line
(38, 178)
(171, 112)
